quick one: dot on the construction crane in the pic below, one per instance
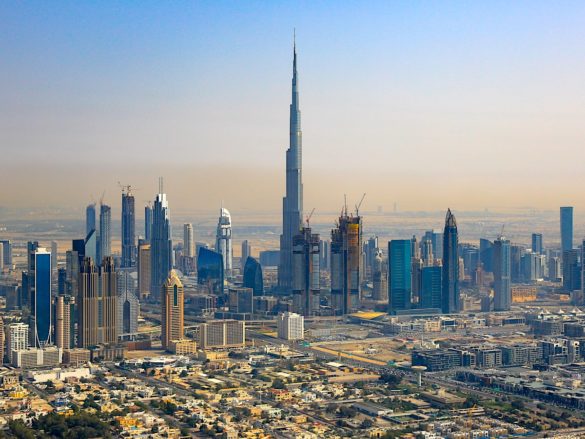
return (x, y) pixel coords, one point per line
(308, 218)
(357, 206)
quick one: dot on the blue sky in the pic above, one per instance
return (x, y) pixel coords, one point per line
(474, 93)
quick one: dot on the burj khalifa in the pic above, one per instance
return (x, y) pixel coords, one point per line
(292, 203)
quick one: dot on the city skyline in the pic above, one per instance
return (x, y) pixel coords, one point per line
(489, 95)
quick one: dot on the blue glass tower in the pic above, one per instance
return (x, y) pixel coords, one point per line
(161, 250)
(210, 270)
(430, 295)
(502, 275)
(292, 204)
(89, 218)
(128, 229)
(566, 229)
(253, 276)
(105, 235)
(450, 301)
(400, 274)
(41, 298)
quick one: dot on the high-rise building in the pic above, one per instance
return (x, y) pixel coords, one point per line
(97, 303)
(427, 252)
(147, 222)
(108, 310)
(105, 234)
(1, 256)
(210, 270)
(223, 240)
(128, 229)
(90, 218)
(54, 255)
(253, 276)
(65, 321)
(292, 203)
(222, 334)
(537, 243)
(502, 274)
(290, 326)
(16, 338)
(90, 246)
(430, 294)
(144, 267)
(450, 291)
(380, 278)
(7, 252)
(127, 305)
(246, 252)
(571, 270)
(241, 300)
(485, 254)
(188, 240)
(41, 310)
(172, 313)
(399, 274)
(306, 272)
(346, 254)
(566, 229)
(161, 246)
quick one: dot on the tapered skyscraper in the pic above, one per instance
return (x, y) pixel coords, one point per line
(450, 302)
(161, 246)
(128, 229)
(292, 204)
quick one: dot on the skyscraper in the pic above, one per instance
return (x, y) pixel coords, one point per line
(147, 222)
(188, 240)
(127, 305)
(105, 235)
(7, 252)
(54, 255)
(430, 294)
(144, 267)
(64, 324)
(41, 298)
(97, 303)
(450, 291)
(88, 304)
(172, 323)
(380, 278)
(253, 276)
(161, 246)
(537, 243)
(128, 229)
(89, 218)
(223, 239)
(292, 203)
(399, 274)
(246, 252)
(502, 274)
(566, 229)
(306, 272)
(346, 253)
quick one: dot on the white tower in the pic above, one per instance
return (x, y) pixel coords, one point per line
(223, 239)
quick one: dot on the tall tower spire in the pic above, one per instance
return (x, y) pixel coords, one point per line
(292, 203)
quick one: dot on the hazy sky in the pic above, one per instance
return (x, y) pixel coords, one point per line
(427, 104)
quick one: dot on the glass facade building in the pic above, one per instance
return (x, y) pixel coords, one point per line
(450, 301)
(210, 270)
(566, 229)
(430, 295)
(502, 275)
(253, 276)
(399, 274)
(128, 230)
(41, 299)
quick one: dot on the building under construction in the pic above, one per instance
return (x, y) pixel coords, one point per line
(346, 263)
(306, 272)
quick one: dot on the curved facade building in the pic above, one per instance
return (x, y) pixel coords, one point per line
(210, 270)
(223, 239)
(161, 246)
(253, 276)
